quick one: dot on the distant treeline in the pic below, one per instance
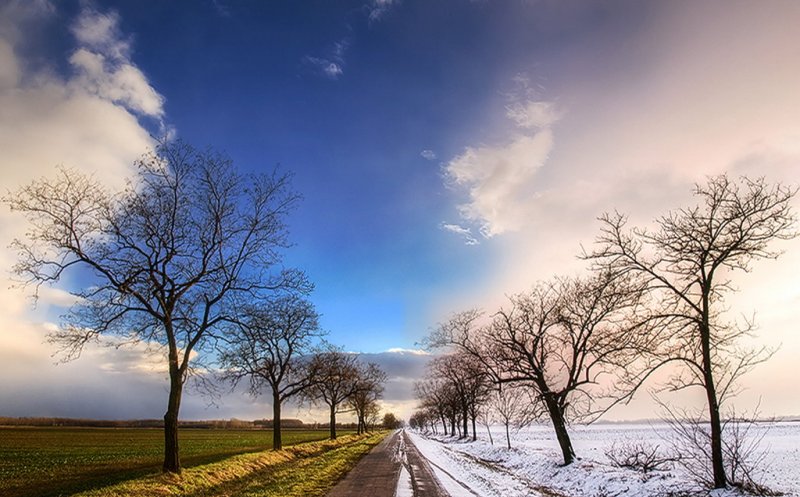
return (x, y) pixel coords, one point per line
(218, 424)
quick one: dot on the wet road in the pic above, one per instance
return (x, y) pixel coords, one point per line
(393, 468)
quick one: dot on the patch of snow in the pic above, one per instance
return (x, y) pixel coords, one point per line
(404, 486)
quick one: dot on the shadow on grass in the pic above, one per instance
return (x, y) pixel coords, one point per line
(306, 474)
(90, 480)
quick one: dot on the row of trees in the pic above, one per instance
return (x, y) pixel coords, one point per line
(457, 393)
(653, 298)
(189, 256)
(277, 348)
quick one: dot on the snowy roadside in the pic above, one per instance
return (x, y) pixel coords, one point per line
(462, 474)
(532, 468)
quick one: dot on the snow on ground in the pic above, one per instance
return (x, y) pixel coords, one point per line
(461, 474)
(478, 468)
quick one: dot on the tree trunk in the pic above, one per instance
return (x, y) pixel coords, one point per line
(717, 464)
(172, 461)
(277, 442)
(465, 421)
(489, 430)
(508, 436)
(444, 424)
(474, 431)
(333, 422)
(560, 427)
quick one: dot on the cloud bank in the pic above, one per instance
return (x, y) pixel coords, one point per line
(91, 119)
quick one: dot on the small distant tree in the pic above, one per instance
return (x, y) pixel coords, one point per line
(368, 390)
(166, 260)
(514, 408)
(686, 263)
(437, 399)
(390, 421)
(269, 347)
(337, 377)
(468, 380)
(372, 416)
(422, 420)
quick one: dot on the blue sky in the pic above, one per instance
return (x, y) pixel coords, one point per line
(449, 152)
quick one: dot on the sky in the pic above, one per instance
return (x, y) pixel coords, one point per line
(448, 153)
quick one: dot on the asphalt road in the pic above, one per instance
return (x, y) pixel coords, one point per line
(377, 474)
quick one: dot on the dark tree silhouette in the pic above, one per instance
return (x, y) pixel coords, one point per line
(686, 262)
(270, 348)
(558, 339)
(166, 259)
(369, 389)
(438, 398)
(470, 381)
(337, 379)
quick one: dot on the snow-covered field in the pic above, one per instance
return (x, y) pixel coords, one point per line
(532, 467)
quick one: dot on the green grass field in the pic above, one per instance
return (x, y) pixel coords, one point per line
(53, 461)
(303, 470)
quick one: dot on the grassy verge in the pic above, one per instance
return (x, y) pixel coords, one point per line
(309, 469)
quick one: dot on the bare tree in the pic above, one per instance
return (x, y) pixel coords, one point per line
(437, 397)
(337, 377)
(165, 259)
(368, 390)
(561, 339)
(269, 348)
(686, 262)
(423, 419)
(468, 380)
(514, 408)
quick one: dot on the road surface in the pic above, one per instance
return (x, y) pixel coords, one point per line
(393, 468)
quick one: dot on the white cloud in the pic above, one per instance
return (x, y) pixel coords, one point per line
(332, 69)
(400, 350)
(332, 66)
(16, 15)
(428, 155)
(88, 120)
(103, 67)
(466, 233)
(500, 179)
(99, 32)
(533, 114)
(378, 8)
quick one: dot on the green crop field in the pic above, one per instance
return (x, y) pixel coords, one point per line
(55, 461)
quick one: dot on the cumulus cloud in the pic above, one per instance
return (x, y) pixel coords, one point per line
(500, 179)
(88, 119)
(100, 32)
(403, 367)
(103, 67)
